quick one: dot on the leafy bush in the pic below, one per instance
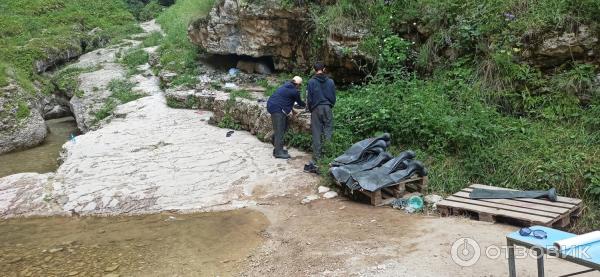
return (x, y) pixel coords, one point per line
(229, 123)
(150, 11)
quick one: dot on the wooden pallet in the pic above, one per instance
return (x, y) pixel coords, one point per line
(523, 211)
(413, 184)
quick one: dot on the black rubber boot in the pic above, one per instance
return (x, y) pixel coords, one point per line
(282, 155)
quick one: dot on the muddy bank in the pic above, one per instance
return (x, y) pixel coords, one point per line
(42, 158)
(206, 244)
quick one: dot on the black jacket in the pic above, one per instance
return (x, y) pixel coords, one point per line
(320, 91)
(283, 99)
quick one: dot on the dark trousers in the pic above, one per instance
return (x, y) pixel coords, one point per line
(321, 126)
(280, 125)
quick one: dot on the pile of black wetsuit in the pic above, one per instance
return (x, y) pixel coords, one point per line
(367, 165)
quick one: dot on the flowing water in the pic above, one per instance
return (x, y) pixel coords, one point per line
(41, 158)
(204, 244)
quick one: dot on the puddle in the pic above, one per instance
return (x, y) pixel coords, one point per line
(203, 244)
(42, 158)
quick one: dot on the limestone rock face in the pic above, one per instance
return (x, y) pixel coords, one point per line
(94, 84)
(256, 30)
(19, 133)
(269, 29)
(557, 48)
(74, 48)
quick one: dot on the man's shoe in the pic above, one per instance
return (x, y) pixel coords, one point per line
(282, 155)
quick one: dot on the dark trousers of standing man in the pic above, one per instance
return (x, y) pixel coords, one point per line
(280, 125)
(321, 126)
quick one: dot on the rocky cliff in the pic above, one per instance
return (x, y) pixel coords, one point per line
(270, 29)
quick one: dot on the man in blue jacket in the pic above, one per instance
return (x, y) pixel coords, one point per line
(320, 100)
(280, 106)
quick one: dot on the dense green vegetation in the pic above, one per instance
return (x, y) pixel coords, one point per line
(177, 53)
(30, 30)
(453, 85)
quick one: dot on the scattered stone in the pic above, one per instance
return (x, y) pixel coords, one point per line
(111, 268)
(73, 273)
(47, 259)
(432, 199)
(54, 250)
(342, 207)
(112, 275)
(323, 189)
(330, 194)
(309, 199)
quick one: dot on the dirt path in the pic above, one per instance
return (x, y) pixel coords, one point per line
(344, 238)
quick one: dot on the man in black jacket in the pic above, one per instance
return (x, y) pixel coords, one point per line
(280, 106)
(320, 100)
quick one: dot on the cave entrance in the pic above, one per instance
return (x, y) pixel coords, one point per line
(247, 64)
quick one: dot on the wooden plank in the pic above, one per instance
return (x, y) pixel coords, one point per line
(504, 207)
(536, 201)
(561, 199)
(493, 211)
(376, 198)
(534, 206)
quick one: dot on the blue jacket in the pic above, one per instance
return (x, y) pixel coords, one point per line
(320, 91)
(283, 99)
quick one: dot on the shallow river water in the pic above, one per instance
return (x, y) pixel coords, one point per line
(42, 158)
(204, 244)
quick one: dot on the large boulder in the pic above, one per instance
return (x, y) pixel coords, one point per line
(272, 29)
(21, 124)
(258, 29)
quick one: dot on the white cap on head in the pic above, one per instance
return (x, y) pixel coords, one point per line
(297, 80)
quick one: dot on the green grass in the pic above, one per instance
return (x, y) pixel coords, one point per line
(177, 53)
(155, 38)
(121, 94)
(67, 80)
(22, 110)
(31, 28)
(134, 58)
(463, 140)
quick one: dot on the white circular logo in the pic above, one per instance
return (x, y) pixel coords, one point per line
(465, 252)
